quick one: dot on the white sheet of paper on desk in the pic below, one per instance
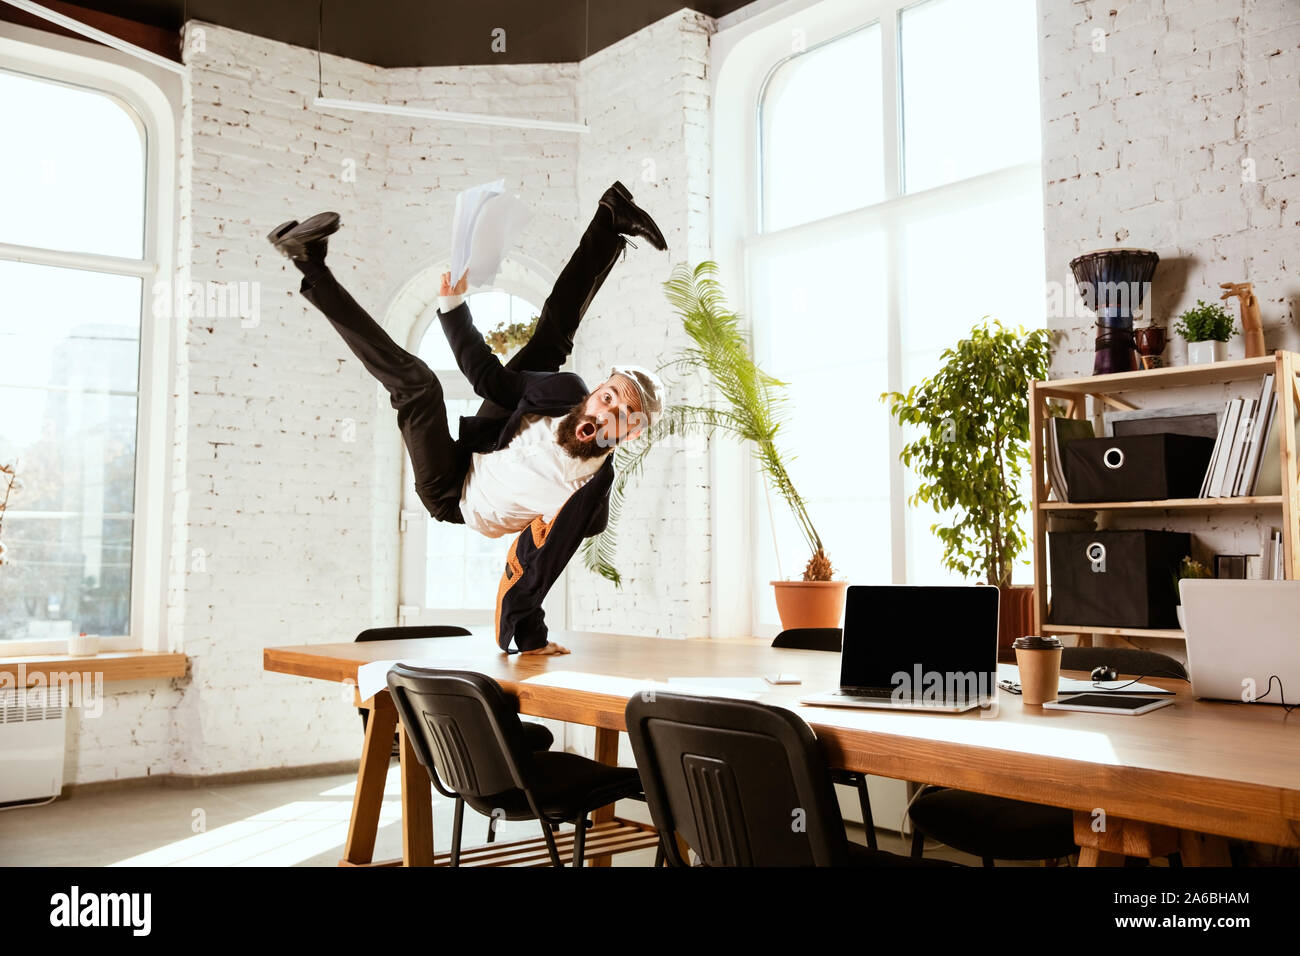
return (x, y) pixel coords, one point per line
(595, 683)
(373, 677)
(745, 688)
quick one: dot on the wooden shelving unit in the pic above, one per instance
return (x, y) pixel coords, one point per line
(1115, 391)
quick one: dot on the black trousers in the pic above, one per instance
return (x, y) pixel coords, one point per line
(438, 461)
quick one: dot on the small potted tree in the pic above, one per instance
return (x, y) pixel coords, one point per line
(1207, 329)
(508, 338)
(751, 410)
(971, 449)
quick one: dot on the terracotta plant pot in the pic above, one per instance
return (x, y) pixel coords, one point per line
(1015, 617)
(810, 603)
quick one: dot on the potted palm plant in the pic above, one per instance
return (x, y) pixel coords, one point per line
(751, 409)
(971, 449)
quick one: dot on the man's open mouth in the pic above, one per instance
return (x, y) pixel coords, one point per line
(585, 431)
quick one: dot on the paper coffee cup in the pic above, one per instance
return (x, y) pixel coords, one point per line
(1039, 660)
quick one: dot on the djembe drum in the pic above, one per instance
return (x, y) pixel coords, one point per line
(1112, 283)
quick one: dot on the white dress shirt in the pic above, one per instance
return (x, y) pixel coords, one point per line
(505, 490)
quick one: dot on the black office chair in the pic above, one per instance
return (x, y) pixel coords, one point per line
(831, 639)
(468, 735)
(539, 737)
(998, 828)
(743, 783)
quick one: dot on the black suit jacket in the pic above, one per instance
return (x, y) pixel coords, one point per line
(541, 551)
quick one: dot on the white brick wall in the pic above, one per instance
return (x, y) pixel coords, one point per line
(647, 100)
(1144, 141)
(283, 530)
(1143, 145)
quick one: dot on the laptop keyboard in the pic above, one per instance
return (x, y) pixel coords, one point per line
(887, 693)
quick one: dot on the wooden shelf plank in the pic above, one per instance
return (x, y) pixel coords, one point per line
(1180, 376)
(1167, 504)
(1173, 634)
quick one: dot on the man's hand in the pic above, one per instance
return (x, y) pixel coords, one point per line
(460, 287)
(550, 649)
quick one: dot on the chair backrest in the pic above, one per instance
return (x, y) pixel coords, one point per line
(1128, 661)
(408, 633)
(811, 639)
(463, 727)
(745, 784)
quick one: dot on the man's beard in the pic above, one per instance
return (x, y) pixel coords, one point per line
(566, 434)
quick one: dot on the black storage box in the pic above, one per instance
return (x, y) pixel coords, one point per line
(1116, 578)
(1137, 467)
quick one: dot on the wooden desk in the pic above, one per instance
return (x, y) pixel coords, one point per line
(1183, 777)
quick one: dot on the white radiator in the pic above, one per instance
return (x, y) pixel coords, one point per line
(32, 743)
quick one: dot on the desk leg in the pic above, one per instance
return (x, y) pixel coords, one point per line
(1121, 838)
(417, 808)
(368, 798)
(606, 752)
(1203, 849)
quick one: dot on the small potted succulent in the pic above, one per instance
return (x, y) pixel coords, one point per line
(1207, 329)
(1188, 569)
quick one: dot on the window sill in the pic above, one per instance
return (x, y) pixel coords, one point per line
(114, 665)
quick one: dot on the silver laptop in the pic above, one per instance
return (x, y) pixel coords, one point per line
(1242, 639)
(917, 648)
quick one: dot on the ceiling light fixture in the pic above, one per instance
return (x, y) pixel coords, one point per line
(419, 112)
(76, 26)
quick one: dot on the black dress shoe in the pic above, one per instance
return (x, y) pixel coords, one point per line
(305, 240)
(629, 219)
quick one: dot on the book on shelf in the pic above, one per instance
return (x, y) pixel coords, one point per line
(1260, 428)
(1268, 476)
(1237, 453)
(1060, 432)
(1211, 487)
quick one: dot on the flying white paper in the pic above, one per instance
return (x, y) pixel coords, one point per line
(486, 223)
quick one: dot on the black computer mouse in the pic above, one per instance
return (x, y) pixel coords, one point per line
(1104, 672)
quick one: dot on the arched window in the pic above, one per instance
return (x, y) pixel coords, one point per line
(76, 249)
(898, 201)
(461, 569)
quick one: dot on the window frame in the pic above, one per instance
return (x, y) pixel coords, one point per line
(150, 98)
(746, 57)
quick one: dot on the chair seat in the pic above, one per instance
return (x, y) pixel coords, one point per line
(860, 855)
(994, 827)
(566, 787)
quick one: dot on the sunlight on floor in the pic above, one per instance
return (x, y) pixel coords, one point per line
(282, 836)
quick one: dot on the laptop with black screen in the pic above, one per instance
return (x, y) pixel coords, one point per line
(917, 648)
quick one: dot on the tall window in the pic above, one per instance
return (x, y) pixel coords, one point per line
(463, 568)
(900, 202)
(72, 270)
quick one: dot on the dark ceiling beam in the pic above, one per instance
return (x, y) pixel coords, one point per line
(160, 40)
(398, 33)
